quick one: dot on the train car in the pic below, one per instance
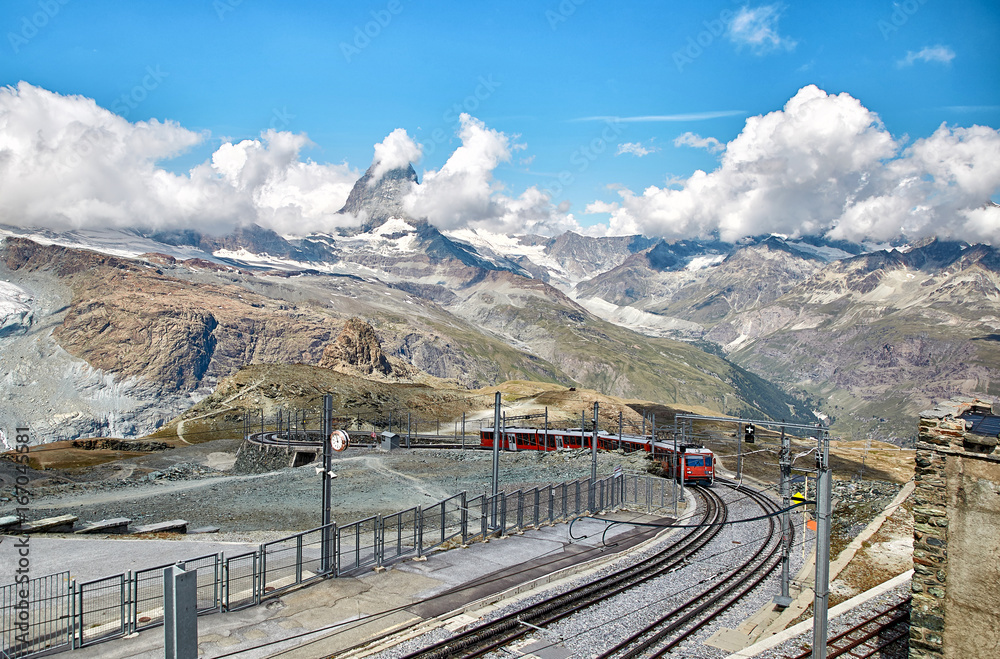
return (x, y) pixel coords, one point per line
(695, 463)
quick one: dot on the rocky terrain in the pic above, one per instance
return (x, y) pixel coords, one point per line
(118, 338)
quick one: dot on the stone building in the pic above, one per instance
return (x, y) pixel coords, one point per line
(956, 533)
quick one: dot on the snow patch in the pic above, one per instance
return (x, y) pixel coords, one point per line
(15, 308)
(638, 320)
(702, 262)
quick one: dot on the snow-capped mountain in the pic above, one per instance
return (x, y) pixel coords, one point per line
(146, 320)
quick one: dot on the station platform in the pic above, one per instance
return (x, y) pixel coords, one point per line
(450, 587)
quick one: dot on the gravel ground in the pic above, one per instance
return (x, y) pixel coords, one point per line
(195, 484)
(585, 635)
(798, 644)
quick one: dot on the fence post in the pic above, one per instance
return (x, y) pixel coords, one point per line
(443, 519)
(465, 517)
(72, 615)
(298, 559)
(536, 517)
(420, 532)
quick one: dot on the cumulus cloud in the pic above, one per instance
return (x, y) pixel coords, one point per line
(397, 150)
(825, 164)
(66, 162)
(699, 142)
(464, 194)
(283, 192)
(941, 54)
(757, 29)
(636, 149)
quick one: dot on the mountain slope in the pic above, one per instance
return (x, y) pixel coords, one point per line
(882, 335)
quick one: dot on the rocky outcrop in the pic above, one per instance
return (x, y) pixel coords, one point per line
(357, 349)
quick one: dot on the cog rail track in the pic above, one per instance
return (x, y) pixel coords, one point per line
(872, 636)
(312, 440)
(679, 624)
(497, 633)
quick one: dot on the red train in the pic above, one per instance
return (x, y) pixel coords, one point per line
(697, 463)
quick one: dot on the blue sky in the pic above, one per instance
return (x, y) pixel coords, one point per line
(539, 73)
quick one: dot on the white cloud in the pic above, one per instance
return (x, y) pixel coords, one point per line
(66, 162)
(463, 193)
(283, 192)
(757, 29)
(396, 151)
(636, 149)
(825, 164)
(699, 142)
(942, 54)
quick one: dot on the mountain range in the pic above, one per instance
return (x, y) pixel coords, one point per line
(113, 332)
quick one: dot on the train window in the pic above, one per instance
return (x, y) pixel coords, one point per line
(693, 461)
(708, 461)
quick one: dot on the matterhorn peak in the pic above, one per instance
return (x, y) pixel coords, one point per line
(376, 199)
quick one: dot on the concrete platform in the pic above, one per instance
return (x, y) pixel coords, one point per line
(334, 615)
(113, 525)
(60, 524)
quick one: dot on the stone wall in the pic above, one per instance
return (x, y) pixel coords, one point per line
(252, 458)
(956, 538)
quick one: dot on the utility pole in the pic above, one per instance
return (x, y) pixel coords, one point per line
(593, 460)
(496, 456)
(546, 427)
(739, 452)
(785, 460)
(619, 429)
(673, 466)
(327, 537)
(824, 494)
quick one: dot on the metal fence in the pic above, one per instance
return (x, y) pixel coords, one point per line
(58, 611)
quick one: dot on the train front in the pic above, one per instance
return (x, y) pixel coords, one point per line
(698, 465)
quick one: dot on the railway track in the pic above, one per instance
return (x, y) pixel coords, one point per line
(497, 633)
(668, 630)
(311, 440)
(680, 623)
(873, 636)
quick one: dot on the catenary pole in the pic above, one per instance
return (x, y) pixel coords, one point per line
(824, 492)
(593, 459)
(327, 493)
(785, 460)
(496, 459)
